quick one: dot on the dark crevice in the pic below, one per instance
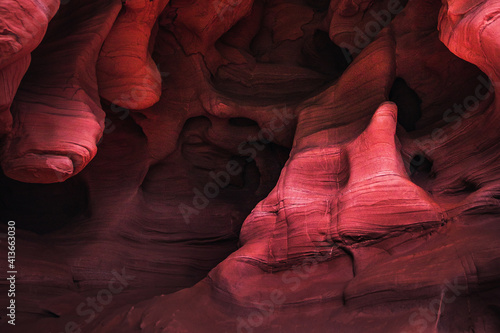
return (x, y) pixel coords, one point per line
(408, 102)
(324, 56)
(242, 122)
(421, 165)
(43, 208)
(469, 186)
(319, 5)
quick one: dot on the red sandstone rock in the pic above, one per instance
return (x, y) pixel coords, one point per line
(11, 76)
(367, 215)
(23, 26)
(127, 75)
(58, 119)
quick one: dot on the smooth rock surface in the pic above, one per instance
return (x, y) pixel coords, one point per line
(252, 166)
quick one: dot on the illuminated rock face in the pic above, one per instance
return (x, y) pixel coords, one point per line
(265, 166)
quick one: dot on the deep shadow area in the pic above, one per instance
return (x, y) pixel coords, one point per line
(408, 102)
(42, 208)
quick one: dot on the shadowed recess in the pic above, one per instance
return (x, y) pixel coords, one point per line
(408, 102)
(43, 208)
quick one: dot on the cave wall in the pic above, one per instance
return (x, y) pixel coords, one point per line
(251, 166)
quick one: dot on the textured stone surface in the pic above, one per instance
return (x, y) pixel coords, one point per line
(125, 63)
(23, 25)
(252, 166)
(58, 119)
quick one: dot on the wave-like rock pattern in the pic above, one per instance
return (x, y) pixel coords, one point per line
(263, 166)
(58, 119)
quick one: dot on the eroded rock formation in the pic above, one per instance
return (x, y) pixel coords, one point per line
(252, 166)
